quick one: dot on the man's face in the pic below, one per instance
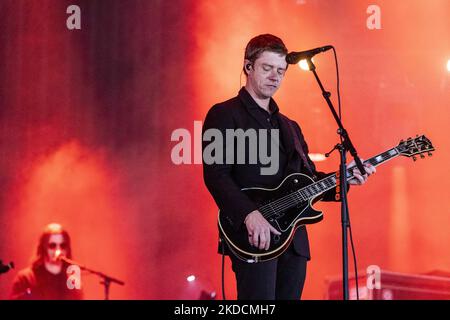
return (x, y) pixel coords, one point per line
(265, 77)
(56, 246)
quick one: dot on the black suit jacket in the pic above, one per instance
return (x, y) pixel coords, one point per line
(225, 181)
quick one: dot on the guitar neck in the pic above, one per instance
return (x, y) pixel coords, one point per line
(376, 160)
(325, 184)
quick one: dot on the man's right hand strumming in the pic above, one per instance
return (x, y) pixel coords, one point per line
(259, 230)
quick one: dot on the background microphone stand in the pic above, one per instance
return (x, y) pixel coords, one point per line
(343, 147)
(106, 280)
(6, 267)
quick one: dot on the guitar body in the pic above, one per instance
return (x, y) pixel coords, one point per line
(285, 220)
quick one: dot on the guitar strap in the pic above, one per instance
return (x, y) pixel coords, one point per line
(299, 149)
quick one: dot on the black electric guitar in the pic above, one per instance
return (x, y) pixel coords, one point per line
(289, 205)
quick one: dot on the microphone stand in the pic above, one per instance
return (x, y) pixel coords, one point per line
(106, 280)
(343, 147)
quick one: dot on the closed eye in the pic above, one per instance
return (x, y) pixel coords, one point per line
(268, 67)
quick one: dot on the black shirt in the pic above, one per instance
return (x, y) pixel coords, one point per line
(272, 122)
(39, 284)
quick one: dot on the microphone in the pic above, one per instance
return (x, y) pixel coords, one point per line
(61, 257)
(58, 254)
(6, 267)
(295, 57)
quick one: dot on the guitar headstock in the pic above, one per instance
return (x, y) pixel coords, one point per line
(412, 147)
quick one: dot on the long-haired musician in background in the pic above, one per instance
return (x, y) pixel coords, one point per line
(46, 278)
(254, 109)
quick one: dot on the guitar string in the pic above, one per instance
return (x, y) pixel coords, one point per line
(285, 203)
(304, 195)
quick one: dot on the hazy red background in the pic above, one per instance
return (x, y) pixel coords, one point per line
(86, 118)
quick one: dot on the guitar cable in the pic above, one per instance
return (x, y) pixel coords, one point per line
(354, 259)
(223, 269)
(355, 266)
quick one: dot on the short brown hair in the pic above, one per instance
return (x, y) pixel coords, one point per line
(261, 43)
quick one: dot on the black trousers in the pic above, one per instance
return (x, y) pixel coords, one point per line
(277, 279)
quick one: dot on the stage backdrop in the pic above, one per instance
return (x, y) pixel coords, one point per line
(88, 106)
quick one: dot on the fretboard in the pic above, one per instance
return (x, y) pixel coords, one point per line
(325, 184)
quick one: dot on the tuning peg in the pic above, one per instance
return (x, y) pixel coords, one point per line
(430, 154)
(414, 158)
